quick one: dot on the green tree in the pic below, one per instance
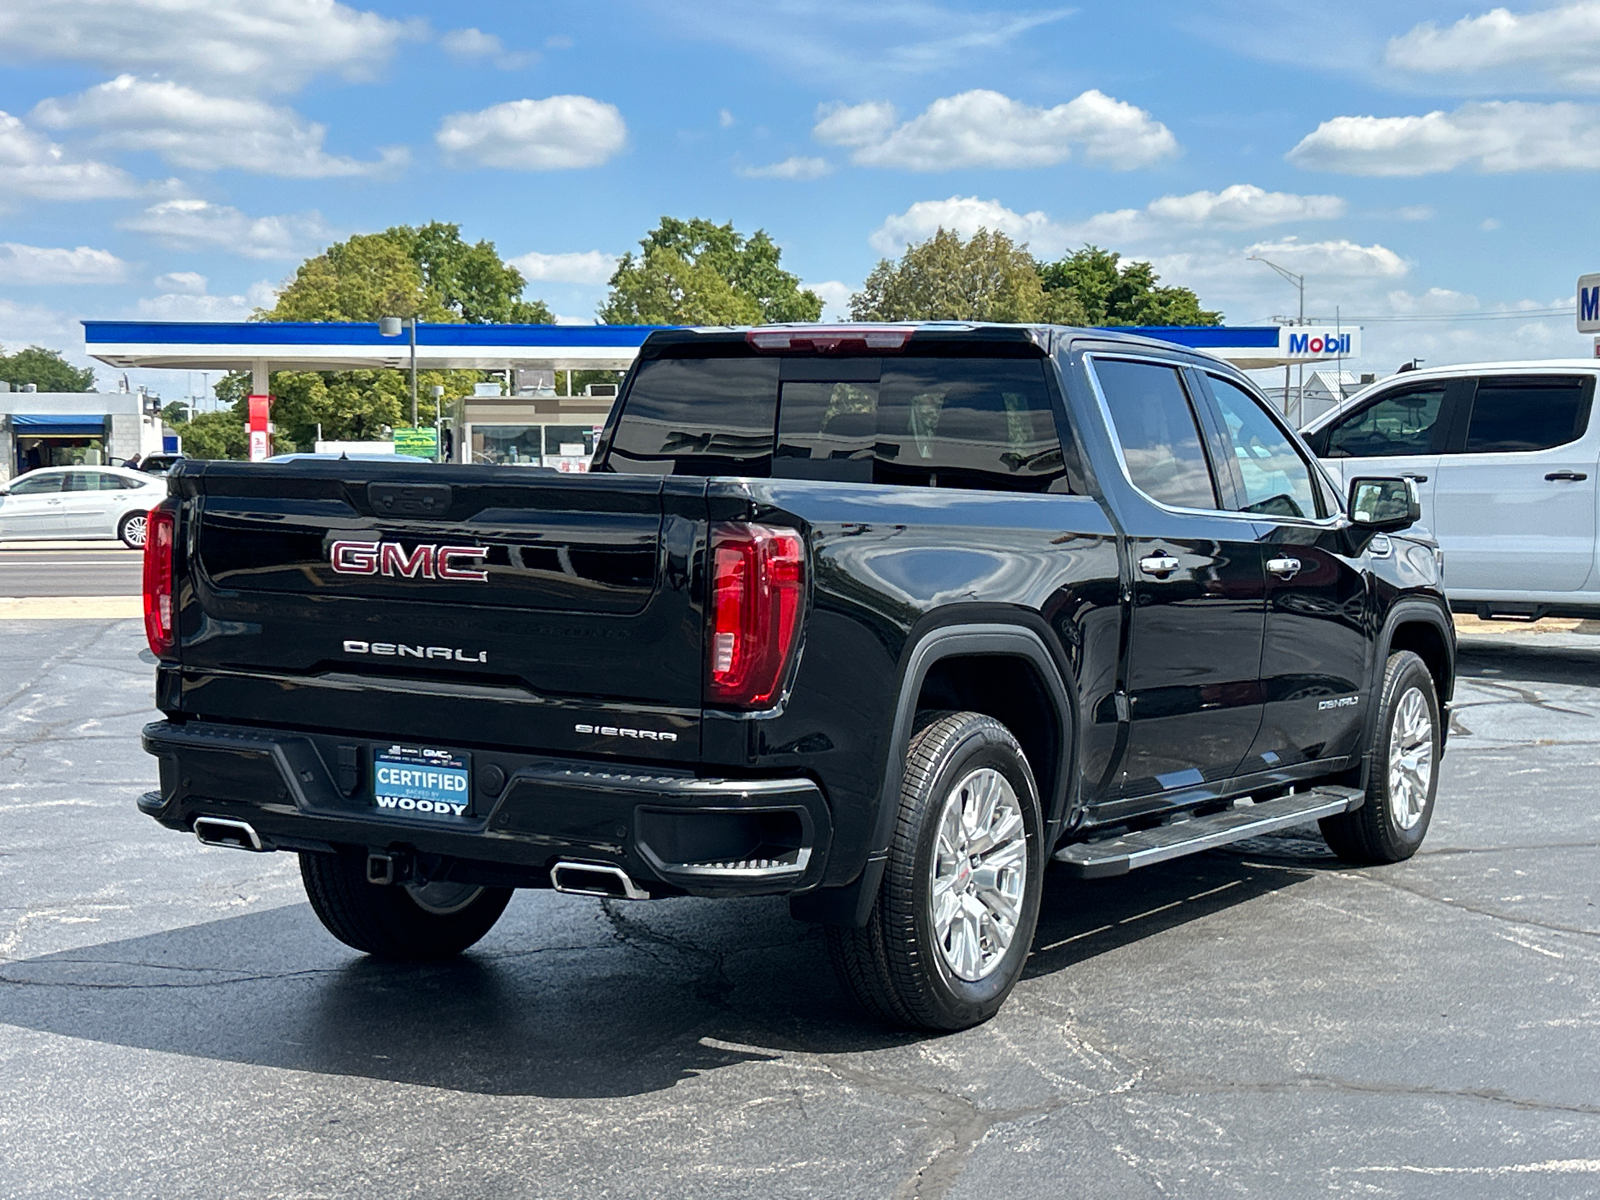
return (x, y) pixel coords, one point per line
(989, 278)
(1110, 292)
(700, 273)
(213, 435)
(427, 273)
(46, 369)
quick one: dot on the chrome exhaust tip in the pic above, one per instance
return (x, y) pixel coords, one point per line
(228, 833)
(595, 879)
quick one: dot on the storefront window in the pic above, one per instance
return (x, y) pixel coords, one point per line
(502, 445)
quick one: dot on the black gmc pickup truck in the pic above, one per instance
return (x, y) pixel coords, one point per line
(884, 619)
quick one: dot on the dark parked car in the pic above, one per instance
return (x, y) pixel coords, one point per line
(883, 619)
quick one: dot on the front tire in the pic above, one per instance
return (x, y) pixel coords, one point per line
(1403, 777)
(953, 923)
(402, 922)
(132, 529)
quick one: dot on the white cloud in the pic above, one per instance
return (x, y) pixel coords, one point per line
(271, 45)
(1239, 206)
(987, 129)
(965, 215)
(1341, 258)
(470, 44)
(186, 283)
(835, 298)
(1556, 46)
(34, 325)
(191, 129)
(849, 42)
(51, 265)
(185, 304)
(790, 168)
(854, 124)
(585, 266)
(553, 134)
(1244, 205)
(193, 224)
(34, 166)
(1497, 136)
(725, 119)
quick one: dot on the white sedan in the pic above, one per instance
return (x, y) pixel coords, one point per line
(79, 502)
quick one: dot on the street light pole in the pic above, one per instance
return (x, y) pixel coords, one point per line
(1299, 282)
(413, 372)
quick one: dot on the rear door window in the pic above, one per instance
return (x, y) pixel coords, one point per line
(1404, 422)
(1156, 428)
(37, 485)
(1511, 413)
(698, 416)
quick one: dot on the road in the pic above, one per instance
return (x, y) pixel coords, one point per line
(1261, 1021)
(69, 569)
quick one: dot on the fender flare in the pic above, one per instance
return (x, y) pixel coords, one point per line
(851, 904)
(1405, 612)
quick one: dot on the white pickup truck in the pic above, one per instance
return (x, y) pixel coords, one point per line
(1505, 457)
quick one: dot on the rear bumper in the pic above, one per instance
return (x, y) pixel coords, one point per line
(666, 828)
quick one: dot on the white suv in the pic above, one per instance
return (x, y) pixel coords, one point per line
(79, 502)
(1505, 457)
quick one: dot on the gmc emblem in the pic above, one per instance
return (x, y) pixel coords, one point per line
(420, 562)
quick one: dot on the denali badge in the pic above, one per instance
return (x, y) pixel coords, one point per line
(420, 562)
(648, 735)
(1341, 702)
(401, 650)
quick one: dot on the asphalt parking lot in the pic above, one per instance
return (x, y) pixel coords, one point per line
(1261, 1021)
(97, 568)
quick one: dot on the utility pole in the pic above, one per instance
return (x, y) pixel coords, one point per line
(414, 369)
(1299, 282)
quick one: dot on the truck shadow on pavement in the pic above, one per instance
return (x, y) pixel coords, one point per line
(1528, 662)
(566, 998)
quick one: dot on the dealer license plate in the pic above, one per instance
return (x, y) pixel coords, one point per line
(422, 781)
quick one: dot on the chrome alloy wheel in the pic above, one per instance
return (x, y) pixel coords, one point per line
(134, 530)
(979, 873)
(441, 899)
(1410, 758)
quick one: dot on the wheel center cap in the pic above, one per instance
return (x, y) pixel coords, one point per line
(964, 874)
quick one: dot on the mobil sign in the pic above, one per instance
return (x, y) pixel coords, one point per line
(1589, 303)
(1318, 341)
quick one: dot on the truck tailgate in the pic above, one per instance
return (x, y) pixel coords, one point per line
(453, 605)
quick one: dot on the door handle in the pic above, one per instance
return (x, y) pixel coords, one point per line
(1418, 478)
(1284, 568)
(1573, 476)
(1158, 565)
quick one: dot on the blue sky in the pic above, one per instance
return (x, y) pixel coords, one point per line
(175, 159)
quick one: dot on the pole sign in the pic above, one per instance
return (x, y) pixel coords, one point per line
(260, 428)
(1589, 303)
(422, 441)
(1309, 343)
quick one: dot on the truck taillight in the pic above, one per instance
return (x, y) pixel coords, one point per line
(159, 618)
(758, 583)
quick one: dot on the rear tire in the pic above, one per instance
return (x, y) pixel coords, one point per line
(396, 921)
(954, 920)
(132, 529)
(1403, 777)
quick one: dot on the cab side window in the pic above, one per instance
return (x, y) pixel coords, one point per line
(1537, 412)
(1402, 422)
(1274, 479)
(1156, 426)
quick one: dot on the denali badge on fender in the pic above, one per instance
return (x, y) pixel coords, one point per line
(420, 562)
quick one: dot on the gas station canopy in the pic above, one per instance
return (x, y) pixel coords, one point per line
(331, 346)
